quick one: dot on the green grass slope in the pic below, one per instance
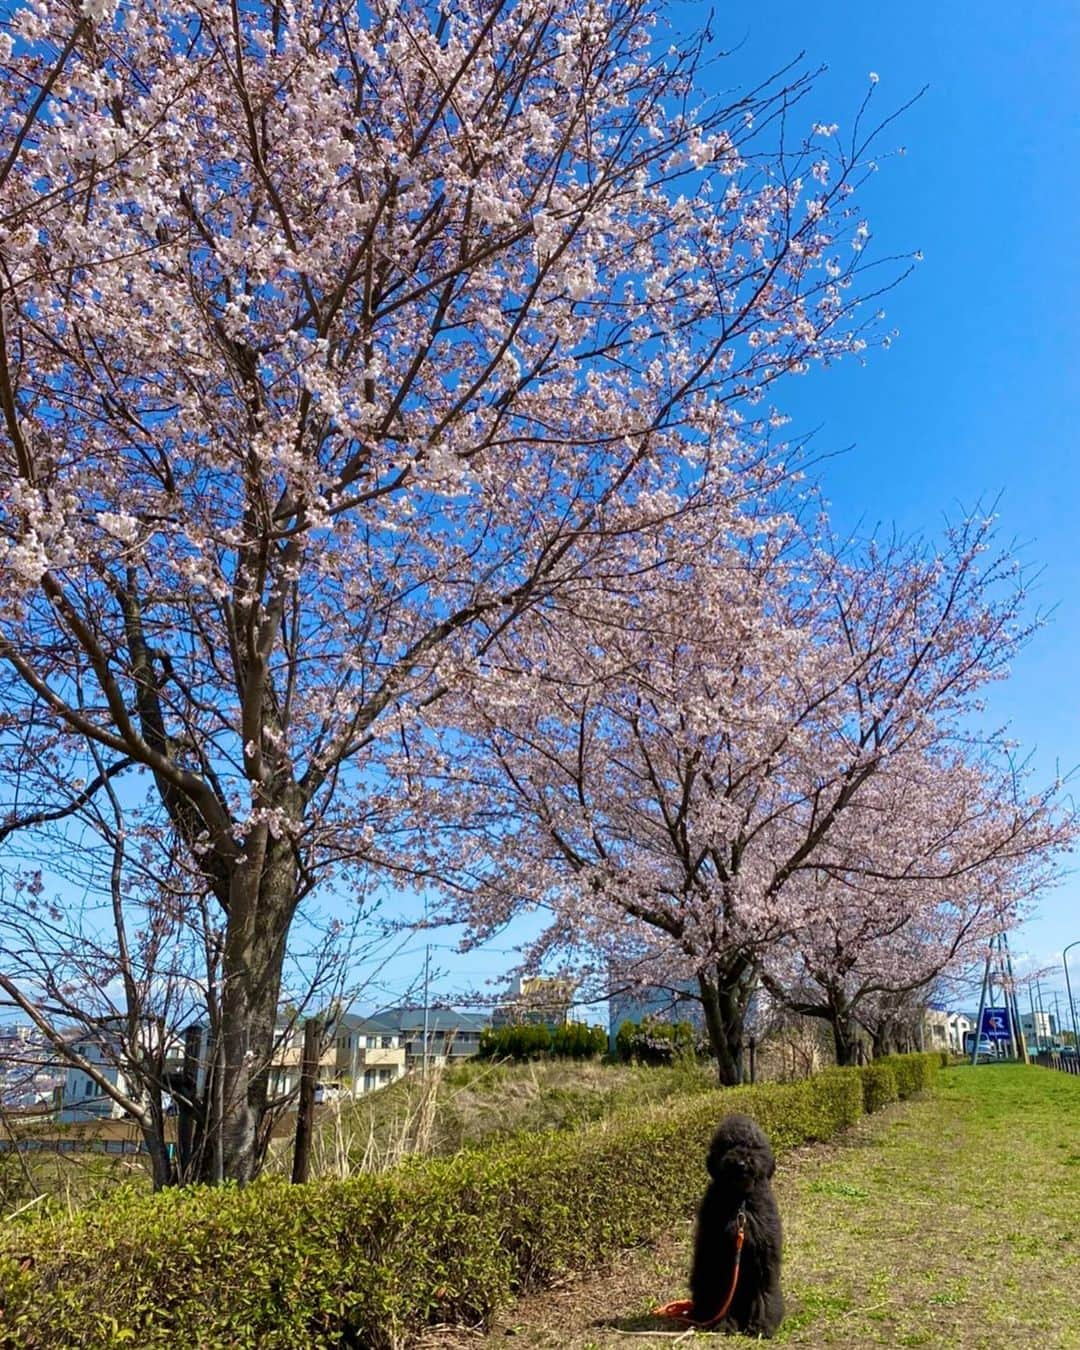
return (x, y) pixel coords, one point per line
(950, 1221)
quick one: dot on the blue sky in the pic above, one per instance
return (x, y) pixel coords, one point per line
(980, 396)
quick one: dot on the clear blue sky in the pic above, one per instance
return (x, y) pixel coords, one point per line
(980, 396)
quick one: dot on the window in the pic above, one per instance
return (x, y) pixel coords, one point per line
(371, 1042)
(88, 1090)
(387, 1042)
(384, 1075)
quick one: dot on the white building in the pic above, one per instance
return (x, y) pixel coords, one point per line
(944, 1029)
(1040, 1028)
(370, 1052)
(84, 1098)
(106, 1047)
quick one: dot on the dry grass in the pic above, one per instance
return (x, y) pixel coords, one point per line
(950, 1222)
(476, 1103)
(64, 1182)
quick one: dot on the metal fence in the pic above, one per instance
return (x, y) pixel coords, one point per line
(1055, 1059)
(72, 1145)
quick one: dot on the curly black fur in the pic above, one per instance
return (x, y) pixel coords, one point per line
(740, 1163)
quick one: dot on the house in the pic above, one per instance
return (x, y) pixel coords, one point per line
(945, 1029)
(369, 1052)
(194, 1048)
(436, 1036)
(107, 1048)
(30, 1071)
(287, 1059)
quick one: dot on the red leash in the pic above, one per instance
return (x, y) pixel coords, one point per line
(681, 1309)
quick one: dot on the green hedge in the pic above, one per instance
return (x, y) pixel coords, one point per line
(879, 1086)
(655, 1041)
(914, 1073)
(369, 1261)
(533, 1040)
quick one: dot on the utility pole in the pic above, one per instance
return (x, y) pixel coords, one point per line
(427, 980)
(427, 1003)
(1004, 986)
(1014, 1005)
(982, 1006)
(1044, 1018)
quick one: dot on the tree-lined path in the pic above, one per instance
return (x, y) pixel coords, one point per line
(953, 1221)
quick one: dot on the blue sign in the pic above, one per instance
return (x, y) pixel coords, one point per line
(995, 1024)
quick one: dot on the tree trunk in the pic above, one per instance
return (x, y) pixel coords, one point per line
(845, 1041)
(262, 902)
(882, 1041)
(724, 999)
(162, 1169)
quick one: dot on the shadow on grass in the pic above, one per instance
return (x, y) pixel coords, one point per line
(643, 1322)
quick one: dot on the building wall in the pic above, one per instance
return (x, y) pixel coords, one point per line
(367, 1056)
(83, 1099)
(1042, 1026)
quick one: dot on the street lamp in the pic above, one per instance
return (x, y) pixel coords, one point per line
(1068, 993)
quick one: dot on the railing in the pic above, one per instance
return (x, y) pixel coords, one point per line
(80, 1145)
(1055, 1059)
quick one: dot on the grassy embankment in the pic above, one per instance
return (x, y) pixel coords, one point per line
(952, 1221)
(477, 1103)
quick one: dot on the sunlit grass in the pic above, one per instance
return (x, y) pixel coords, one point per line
(952, 1221)
(956, 1222)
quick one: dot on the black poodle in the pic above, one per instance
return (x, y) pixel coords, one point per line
(739, 1196)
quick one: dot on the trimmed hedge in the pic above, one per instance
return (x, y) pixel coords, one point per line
(879, 1086)
(369, 1261)
(658, 1042)
(914, 1073)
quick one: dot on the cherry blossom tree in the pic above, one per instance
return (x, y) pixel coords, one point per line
(333, 338)
(665, 766)
(936, 858)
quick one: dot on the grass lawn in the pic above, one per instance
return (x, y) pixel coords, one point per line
(952, 1221)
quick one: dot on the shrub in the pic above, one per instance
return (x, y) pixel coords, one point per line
(654, 1041)
(879, 1086)
(577, 1040)
(531, 1040)
(370, 1261)
(518, 1040)
(914, 1073)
